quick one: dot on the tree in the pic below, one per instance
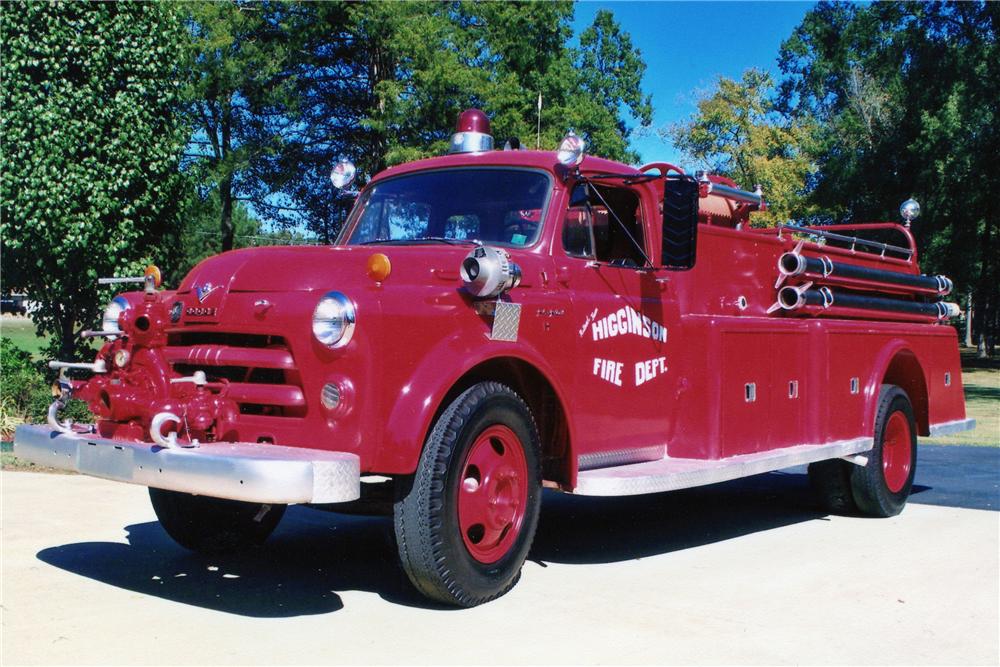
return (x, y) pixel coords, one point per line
(238, 100)
(198, 235)
(382, 83)
(905, 99)
(90, 182)
(737, 133)
(610, 71)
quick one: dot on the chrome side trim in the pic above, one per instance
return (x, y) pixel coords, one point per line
(671, 474)
(239, 471)
(947, 428)
(620, 457)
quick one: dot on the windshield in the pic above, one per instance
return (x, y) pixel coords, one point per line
(503, 206)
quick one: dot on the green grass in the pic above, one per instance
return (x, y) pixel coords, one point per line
(21, 330)
(981, 378)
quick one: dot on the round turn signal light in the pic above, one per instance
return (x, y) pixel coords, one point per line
(379, 267)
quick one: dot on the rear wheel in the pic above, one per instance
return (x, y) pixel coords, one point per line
(465, 526)
(879, 488)
(214, 525)
(831, 480)
(882, 487)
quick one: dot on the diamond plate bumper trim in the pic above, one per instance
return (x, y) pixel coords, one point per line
(669, 474)
(237, 471)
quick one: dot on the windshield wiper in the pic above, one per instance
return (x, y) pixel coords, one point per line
(424, 239)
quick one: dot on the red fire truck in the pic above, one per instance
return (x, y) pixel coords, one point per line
(492, 322)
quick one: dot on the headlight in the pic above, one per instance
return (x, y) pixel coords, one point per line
(333, 320)
(118, 305)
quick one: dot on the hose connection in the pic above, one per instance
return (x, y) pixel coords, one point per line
(168, 441)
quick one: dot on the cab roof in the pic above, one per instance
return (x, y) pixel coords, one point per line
(532, 159)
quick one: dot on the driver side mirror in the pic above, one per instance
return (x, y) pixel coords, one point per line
(680, 222)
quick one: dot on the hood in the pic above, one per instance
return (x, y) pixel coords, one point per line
(279, 269)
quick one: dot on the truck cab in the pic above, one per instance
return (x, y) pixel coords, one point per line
(492, 322)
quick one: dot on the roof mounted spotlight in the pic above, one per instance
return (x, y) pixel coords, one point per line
(909, 210)
(472, 133)
(343, 173)
(571, 150)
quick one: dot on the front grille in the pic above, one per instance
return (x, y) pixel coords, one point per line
(259, 369)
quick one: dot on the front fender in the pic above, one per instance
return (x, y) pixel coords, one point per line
(419, 399)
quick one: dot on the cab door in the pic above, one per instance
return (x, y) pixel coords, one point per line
(622, 374)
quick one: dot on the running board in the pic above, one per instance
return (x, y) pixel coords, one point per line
(947, 428)
(669, 474)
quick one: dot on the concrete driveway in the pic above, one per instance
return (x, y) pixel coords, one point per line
(745, 572)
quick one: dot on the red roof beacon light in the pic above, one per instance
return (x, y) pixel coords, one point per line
(472, 133)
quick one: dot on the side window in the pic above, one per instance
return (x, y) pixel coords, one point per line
(599, 223)
(578, 237)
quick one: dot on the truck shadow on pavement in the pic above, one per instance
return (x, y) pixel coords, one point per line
(314, 556)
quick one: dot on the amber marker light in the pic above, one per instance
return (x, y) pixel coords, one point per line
(379, 267)
(153, 270)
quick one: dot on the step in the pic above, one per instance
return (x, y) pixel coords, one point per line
(671, 474)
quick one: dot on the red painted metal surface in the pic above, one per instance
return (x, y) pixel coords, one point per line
(493, 495)
(613, 357)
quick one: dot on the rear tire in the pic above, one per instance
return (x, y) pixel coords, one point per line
(464, 527)
(881, 488)
(831, 480)
(214, 525)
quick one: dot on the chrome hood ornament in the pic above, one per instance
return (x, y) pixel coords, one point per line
(203, 291)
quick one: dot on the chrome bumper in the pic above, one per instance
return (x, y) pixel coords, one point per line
(239, 471)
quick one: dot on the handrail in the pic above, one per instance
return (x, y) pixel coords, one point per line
(664, 167)
(853, 240)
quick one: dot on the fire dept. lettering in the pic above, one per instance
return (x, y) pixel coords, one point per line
(608, 370)
(627, 320)
(649, 369)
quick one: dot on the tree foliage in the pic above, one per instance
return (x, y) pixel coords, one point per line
(610, 71)
(905, 95)
(736, 132)
(383, 82)
(90, 182)
(239, 93)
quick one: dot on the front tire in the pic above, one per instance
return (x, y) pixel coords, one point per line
(466, 524)
(214, 525)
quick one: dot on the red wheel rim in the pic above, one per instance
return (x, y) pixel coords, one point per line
(897, 455)
(492, 494)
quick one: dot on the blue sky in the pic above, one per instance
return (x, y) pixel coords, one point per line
(686, 45)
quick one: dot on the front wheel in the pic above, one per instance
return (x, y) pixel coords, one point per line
(465, 526)
(214, 525)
